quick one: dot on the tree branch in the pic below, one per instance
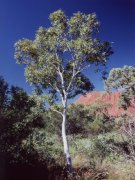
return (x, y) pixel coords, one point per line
(59, 112)
(62, 81)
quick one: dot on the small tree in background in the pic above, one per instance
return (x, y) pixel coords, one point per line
(123, 79)
(56, 58)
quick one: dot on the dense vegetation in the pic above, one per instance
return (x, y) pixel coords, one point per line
(57, 57)
(31, 143)
(35, 128)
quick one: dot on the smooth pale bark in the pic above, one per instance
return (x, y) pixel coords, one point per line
(65, 142)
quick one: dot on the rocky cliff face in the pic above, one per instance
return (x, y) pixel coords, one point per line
(109, 98)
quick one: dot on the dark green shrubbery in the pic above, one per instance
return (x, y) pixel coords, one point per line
(30, 136)
(91, 119)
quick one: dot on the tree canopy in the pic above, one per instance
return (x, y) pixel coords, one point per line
(58, 54)
(123, 79)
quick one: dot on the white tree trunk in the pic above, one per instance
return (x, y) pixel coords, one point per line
(65, 143)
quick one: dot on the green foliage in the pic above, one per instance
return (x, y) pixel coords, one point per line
(98, 144)
(77, 120)
(56, 58)
(48, 150)
(3, 93)
(123, 79)
(66, 48)
(92, 119)
(15, 124)
(29, 136)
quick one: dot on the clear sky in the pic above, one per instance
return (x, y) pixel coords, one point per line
(21, 18)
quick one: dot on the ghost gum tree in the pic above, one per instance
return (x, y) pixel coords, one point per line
(56, 58)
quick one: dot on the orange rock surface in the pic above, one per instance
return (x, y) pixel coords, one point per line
(109, 98)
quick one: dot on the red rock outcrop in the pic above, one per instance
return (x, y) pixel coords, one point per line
(109, 98)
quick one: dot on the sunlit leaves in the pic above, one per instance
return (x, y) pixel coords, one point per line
(59, 21)
(123, 79)
(83, 25)
(25, 51)
(66, 48)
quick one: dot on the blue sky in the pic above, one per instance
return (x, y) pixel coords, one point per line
(21, 18)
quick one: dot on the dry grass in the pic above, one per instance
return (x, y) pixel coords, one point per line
(120, 169)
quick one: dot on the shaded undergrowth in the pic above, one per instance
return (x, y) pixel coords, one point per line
(40, 172)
